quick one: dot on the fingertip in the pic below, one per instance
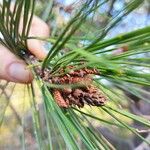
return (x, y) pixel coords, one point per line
(37, 48)
(12, 68)
(18, 72)
(38, 29)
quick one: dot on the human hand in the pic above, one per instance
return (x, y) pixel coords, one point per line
(14, 69)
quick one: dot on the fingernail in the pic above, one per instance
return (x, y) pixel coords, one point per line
(18, 72)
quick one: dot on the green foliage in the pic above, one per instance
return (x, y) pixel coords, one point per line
(11, 18)
(122, 71)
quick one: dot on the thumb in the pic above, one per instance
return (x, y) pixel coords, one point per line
(12, 68)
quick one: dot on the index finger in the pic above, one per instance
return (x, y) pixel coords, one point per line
(38, 29)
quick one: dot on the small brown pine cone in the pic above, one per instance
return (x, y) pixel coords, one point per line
(59, 99)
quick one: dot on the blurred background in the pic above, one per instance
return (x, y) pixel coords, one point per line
(15, 108)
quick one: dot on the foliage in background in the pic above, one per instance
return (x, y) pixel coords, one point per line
(81, 39)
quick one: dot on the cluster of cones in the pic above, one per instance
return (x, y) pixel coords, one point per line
(83, 92)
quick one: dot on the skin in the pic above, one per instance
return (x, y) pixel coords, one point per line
(12, 68)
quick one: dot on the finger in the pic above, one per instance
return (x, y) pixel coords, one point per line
(37, 48)
(12, 68)
(38, 29)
